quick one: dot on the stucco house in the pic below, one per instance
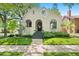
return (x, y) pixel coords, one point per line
(41, 19)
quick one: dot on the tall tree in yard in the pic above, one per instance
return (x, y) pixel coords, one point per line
(55, 8)
(15, 11)
(21, 9)
(4, 10)
(69, 24)
(69, 5)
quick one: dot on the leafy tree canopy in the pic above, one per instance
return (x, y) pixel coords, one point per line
(69, 5)
(12, 25)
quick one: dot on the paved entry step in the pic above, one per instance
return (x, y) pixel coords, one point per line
(38, 35)
(35, 54)
(37, 41)
(35, 50)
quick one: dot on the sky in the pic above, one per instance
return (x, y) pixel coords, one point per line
(63, 9)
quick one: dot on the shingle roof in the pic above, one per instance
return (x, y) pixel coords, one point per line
(71, 17)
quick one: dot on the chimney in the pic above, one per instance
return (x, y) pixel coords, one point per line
(69, 13)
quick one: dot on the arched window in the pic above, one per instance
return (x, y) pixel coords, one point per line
(43, 11)
(53, 24)
(28, 23)
(33, 12)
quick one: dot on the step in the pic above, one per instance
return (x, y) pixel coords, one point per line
(37, 41)
(36, 54)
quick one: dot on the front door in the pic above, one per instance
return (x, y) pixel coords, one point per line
(39, 25)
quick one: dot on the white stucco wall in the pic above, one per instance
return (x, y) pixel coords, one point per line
(45, 18)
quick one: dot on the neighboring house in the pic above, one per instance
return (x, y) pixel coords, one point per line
(74, 20)
(41, 19)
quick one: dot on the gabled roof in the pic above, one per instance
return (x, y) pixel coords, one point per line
(75, 16)
(71, 17)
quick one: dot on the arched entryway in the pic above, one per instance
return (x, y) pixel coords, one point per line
(39, 25)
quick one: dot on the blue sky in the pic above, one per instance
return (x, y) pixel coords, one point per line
(63, 9)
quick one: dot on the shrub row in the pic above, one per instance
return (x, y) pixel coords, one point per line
(55, 34)
(17, 35)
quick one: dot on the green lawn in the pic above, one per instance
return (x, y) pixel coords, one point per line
(15, 41)
(61, 41)
(61, 53)
(11, 53)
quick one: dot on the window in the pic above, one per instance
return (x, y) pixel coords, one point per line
(53, 24)
(33, 12)
(28, 23)
(43, 11)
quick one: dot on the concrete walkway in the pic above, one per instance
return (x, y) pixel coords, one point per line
(62, 48)
(37, 41)
(37, 48)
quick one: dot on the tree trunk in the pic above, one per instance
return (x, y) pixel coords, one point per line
(68, 30)
(20, 28)
(5, 26)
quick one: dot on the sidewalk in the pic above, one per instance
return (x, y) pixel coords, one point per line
(62, 48)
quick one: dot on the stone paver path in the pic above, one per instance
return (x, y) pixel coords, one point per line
(38, 49)
(35, 50)
(62, 48)
(13, 48)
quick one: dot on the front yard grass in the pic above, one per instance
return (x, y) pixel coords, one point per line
(61, 41)
(11, 53)
(61, 53)
(15, 41)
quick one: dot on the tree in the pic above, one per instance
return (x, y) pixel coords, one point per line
(69, 5)
(4, 10)
(1, 25)
(55, 8)
(12, 25)
(68, 25)
(20, 10)
(13, 11)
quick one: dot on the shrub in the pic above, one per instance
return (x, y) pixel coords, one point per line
(61, 34)
(55, 34)
(48, 35)
(11, 35)
(26, 36)
(16, 35)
